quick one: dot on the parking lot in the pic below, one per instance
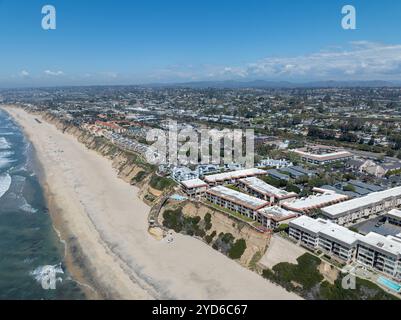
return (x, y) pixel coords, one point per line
(371, 226)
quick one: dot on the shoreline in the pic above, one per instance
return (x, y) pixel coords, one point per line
(80, 273)
(119, 259)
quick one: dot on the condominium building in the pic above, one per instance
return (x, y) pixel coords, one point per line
(325, 235)
(321, 199)
(394, 217)
(373, 250)
(235, 201)
(381, 253)
(233, 177)
(183, 174)
(272, 163)
(322, 155)
(273, 217)
(194, 187)
(262, 190)
(375, 203)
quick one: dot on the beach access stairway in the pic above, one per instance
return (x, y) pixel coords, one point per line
(153, 217)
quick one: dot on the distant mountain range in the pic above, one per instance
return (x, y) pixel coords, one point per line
(233, 84)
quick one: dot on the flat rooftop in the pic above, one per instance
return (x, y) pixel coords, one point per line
(387, 244)
(238, 197)
(315, 201)
(395, 214)
(239, 174)
(277, 213)
(194, 183)
(327, 229)
(323, 156)
(343, 208)
(265, 188)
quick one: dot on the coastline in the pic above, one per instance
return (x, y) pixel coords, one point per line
(119, 267)
(79, 271)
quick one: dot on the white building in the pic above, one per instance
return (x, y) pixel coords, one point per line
(204, 169)
(322, 199)
(325, 235)
(272, 163)
(183, 174)
(194, 187)
(394, 217)
(233, 177)
(273, 217)
(262, 190)
(375, 251)
(322, 155)
(374, 203)
(235, 201)
(381, 253)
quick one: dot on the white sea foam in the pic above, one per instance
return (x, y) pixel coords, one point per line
(6, 154)
(4, 162)
(4, 144)
(5, 183)
(26, 207)
(5, 158)
(42, 273)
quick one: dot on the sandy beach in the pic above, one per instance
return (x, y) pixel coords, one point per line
(104, 216)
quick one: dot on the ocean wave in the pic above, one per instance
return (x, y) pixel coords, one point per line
(61, 240)
(6, 154)
(5, 162)
(4, 144)
(43, 273)
(5, 158)
(26, 207)
(5, 183)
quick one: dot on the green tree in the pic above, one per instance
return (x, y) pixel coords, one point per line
(237, 249)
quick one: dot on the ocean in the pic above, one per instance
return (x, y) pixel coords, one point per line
(31, 252)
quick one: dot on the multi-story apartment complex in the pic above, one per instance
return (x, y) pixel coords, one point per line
(262, 190)
(322, 155)
(273, 217)
(373, 250)
(349, 212)
(233, 177)
(381, 253)
(394, 217)
(321, 199)
(319, 233)
(235, 201)
(194, 187)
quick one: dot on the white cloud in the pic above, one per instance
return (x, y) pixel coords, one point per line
(358, 60)
(24, 73)
(53, 73)
(109, 74)
(362, 60)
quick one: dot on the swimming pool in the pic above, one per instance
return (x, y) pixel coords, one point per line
(177, 197)
(389, 284)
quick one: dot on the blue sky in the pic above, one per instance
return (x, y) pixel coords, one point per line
(124, 42)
